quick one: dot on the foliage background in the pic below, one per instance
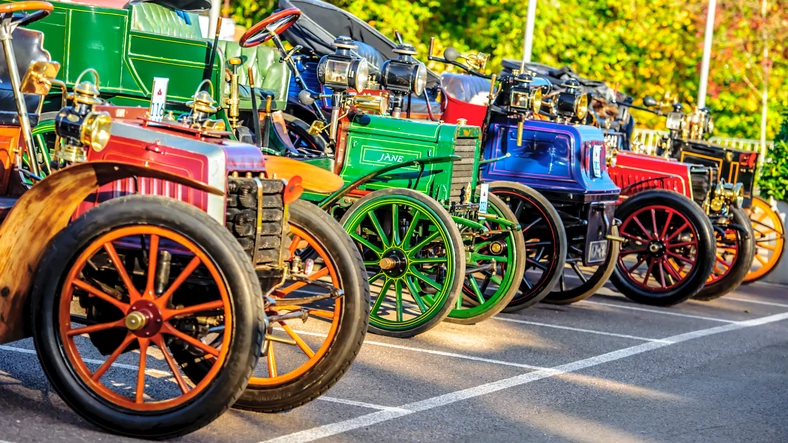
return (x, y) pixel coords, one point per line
(646, 47)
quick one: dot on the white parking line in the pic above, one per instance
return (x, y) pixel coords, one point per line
(487, 388)
(657, 311)
(360, 404)
(756, 302)
(441, 353)
(589, 331)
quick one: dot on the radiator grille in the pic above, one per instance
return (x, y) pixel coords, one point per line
(247, 208)
(464, 172)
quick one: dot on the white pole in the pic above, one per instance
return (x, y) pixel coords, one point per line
(765, 93)
(707, 42)
(213, 17)
(528, 45)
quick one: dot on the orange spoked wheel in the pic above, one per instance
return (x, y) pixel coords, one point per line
(134, 292)
(317, 319)
(769, 239)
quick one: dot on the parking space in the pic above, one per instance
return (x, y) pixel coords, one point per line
(602, 370)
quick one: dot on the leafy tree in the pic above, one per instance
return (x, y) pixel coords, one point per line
(643, 47)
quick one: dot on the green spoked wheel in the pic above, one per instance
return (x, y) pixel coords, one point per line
(413, 253)
(497, 260)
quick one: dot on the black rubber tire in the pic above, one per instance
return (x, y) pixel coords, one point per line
(352, 327)
(740, 268)
(706, 249)
(519, 269)
(588, 288)
(245, 296)
(509, 191)
(459, 251)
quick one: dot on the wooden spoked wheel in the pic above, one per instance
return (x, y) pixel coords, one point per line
(769, 239)
(120, 297)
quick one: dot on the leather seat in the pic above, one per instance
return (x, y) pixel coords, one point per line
(27, 48)
(466, 88)
(271, 77)
(155, 19)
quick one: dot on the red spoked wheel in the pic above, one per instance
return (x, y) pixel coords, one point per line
(735, 249)
(122, 291)
(668, 251)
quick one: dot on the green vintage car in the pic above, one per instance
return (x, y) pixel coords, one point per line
(130, 47)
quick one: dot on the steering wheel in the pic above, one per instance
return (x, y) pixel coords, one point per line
(274, 24)
(7, 11)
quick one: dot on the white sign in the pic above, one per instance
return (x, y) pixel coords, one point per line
(159, 98)
(483, 197)
(596, 160)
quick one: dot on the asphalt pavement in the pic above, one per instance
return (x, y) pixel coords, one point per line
(603, 370)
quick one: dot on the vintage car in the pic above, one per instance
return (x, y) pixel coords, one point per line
(438, 303)
(721, 201)
(411, 202)
(139, 279)
(320, 276)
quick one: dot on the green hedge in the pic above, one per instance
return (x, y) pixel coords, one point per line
(774, 176)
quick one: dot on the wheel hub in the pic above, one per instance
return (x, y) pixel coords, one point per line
(394, 262)
(144, 318)
(496, 247)
(656, 248)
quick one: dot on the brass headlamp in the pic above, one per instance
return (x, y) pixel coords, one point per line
(726, 194)
(571, 103)
(79, 126)
(524, 96)
(202, 106)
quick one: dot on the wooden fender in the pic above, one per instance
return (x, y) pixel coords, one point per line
(39, 215)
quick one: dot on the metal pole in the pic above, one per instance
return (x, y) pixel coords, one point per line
(766, 72)
(707, 42)
(528, 43)
(213, 16)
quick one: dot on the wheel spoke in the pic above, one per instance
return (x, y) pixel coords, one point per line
(398, 292)
(209, 306)
(648, 273)
(152, 258)
(298, 285)
(162, 301)
(531, 225)
(675, 234)
(426, 279)
(374, 219)
(423, 243)
(301, 343)
(579, 272)
(114, 356)
(134, 295)
(667, 225)
(662, 274)
(527, 282)
(414, 293)
(271, 361)
(638, 263)
(158, 340)
(140, 398)
(411, 229)
(395, 224)
(101, 294)
(294, 245)
(381, 296)
(681, 257)
(654, 222)
(761, 259)
(476, 290)
(536, 264)
(168, 329)
(429, 260)
(631, 251)
(672, 271)
(367, 243)
(96, 328)
(682, 244)
(643, 228)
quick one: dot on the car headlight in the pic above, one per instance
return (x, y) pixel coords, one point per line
(581, 106)
(421, 80)
(96, 130)
(674, 121)
(342, 70)
(404, 74)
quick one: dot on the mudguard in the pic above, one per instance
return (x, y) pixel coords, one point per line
(314, 179)
(39, 215)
